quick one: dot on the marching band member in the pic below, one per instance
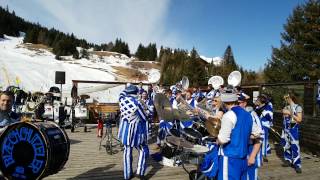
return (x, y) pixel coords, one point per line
(193, 103)
(155, 89)
(211, 93)
(175, 88)
(217, 108)
(141, 88)
(133, 131)
(254, 153)
(209, 166)
(292, 117)
(234, 138)
(265, 113)
(197, 94)
(150, 91)
(175, 99)
(148, 107)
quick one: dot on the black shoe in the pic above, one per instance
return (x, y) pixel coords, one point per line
(141, 177)
(298, 170)
(286, 164)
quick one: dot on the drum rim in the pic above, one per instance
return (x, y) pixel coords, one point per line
(192, 150)
(193, 137)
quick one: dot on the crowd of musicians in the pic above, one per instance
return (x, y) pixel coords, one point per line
(242, 144)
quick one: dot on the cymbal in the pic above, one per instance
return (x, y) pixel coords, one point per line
(180, 115)
(163, 107)
(213, 126)
(178, 141)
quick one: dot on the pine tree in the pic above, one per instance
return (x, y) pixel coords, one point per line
(121, 47)
(139, 53)
(228, 63)
(298, 57)
(84, 54)
(229, 58)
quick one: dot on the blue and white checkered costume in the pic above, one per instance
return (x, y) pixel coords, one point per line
(266, 118)
(290, 139)
(133, 133)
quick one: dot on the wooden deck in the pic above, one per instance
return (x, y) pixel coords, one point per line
(86, 161)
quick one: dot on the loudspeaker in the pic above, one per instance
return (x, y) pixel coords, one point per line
(60, 77)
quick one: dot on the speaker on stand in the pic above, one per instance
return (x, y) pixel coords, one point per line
(60, 78)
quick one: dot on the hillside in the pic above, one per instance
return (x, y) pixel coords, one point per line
(32, 67)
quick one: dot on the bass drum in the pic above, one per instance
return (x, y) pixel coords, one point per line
(33, 150)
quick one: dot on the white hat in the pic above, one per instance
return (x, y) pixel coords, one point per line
(229, 97)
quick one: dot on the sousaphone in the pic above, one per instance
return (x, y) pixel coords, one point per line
(216, 82)
(234, 78)
(184, 82)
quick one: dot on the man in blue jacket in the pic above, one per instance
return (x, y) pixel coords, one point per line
(234, 138)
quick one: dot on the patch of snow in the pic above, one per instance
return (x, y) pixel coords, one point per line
(216, 60)
(34, 71)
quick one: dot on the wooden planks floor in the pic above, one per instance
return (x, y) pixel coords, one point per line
(86, 161)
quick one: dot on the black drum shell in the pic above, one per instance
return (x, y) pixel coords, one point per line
(169, 150)
(192, 135)
(57, 148)
(174, 132)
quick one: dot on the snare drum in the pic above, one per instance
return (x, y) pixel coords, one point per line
(192, 135)
(197, 149)
(33, 150)
(208, 140)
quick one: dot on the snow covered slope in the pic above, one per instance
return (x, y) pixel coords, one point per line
(34, 70)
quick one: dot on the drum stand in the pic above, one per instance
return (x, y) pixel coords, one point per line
(109, 135)
(194, 174)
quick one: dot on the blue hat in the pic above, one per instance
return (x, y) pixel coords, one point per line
(132, 89)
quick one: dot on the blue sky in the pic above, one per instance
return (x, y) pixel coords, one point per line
(251, 27)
